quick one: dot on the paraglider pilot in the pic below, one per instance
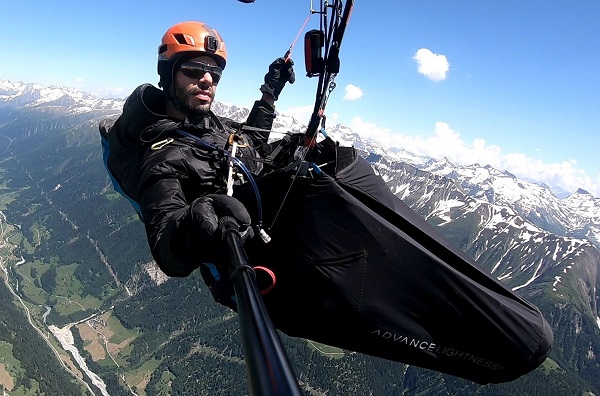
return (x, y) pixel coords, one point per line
(180, 187)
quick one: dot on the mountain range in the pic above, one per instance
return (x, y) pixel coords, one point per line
(543, 247)
(578, 215)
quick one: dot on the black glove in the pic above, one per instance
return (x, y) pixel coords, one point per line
(280, 72)
(206, 212)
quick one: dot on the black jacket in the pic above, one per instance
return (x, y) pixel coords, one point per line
(356, 268)
(172, 176)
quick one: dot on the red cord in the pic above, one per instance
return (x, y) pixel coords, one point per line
(273, 279)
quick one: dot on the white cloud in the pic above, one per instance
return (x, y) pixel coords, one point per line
(300, 113)
(433, 66)
(560, 176)
(352, 92)
(445, 142)
(112, 92)
(366, 129)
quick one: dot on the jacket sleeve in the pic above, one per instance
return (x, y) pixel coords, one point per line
(261, 116)
(166, 212)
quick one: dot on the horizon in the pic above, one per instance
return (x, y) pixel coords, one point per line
(472, 82)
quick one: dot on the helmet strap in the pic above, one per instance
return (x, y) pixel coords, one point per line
(170, 89)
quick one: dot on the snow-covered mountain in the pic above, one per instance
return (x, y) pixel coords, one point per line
(577, 215)
(58, 99)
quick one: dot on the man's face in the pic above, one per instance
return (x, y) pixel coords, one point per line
(195, 95)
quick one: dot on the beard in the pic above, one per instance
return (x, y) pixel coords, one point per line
(185, 96)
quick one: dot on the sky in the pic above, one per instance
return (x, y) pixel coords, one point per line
(510, 83)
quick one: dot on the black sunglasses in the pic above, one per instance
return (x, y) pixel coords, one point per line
(197, 70)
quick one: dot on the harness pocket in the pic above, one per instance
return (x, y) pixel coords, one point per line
(340, 280)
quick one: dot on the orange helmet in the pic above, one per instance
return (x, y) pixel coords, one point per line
(186, 40)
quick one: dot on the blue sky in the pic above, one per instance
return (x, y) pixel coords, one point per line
(511, 83)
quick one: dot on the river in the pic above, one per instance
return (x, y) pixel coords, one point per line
(63, 335)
